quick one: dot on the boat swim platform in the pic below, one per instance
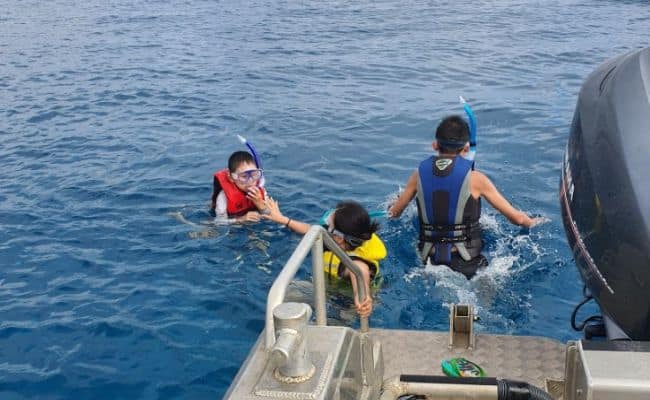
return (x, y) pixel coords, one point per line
(537, 360)
(297, 357)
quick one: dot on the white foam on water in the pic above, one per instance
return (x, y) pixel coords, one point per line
(505, 261)
(509, 249)
(409, 212)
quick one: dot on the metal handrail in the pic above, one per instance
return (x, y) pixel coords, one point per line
(312, 241)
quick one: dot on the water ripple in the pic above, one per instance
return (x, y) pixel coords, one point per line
(115, 115)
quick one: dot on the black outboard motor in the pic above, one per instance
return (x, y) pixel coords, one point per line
(605, 192)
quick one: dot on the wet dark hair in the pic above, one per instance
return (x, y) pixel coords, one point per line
(353, 220)
(452, 134)
(238, 158)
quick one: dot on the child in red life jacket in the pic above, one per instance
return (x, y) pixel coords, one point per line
(236, 192)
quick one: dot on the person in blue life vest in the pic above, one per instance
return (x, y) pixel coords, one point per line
(449, 193)
(353, 230)
(237, 194)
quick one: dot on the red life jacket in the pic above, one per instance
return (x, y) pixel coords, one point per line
(238, 203)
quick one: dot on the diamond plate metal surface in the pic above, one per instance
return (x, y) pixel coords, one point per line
(525, 358)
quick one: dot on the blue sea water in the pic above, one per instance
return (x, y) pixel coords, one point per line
(114, 116)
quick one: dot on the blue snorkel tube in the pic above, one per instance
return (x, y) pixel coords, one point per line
(245, 142)
(472, 128)
(258, 162)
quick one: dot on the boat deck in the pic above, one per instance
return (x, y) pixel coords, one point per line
(530, 359)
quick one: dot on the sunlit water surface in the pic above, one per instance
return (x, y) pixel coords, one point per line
(114, 115)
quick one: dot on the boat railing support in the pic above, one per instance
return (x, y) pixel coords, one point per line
(313, 242)
(461, 326)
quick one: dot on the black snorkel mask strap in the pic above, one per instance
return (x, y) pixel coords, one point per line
(353, 241)
(451, 144)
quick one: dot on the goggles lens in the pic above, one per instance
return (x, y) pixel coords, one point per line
(335, 232)
(246, 176)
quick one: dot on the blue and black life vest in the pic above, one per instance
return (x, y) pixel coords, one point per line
(447, 211)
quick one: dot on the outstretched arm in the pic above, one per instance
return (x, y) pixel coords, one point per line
(405, 198)
(274, 214)
(486, 188)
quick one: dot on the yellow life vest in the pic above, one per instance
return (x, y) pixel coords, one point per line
(372, 251)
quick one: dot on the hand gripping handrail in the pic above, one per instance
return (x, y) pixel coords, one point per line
(312, 241)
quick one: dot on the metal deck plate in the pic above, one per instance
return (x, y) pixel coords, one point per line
(526, 358)
(255, 381)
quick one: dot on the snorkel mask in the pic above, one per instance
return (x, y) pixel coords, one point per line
(256, 158)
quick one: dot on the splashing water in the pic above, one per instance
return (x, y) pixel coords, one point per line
(509, 255)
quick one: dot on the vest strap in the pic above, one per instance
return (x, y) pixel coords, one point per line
(449, 228)
(439, 233)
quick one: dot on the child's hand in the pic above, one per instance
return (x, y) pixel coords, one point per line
(274, 213)
(393, 211)
(251, 216)
(539, 220)
(255, 195)
(364, 309)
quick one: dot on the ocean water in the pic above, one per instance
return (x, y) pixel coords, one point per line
(114, 116)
